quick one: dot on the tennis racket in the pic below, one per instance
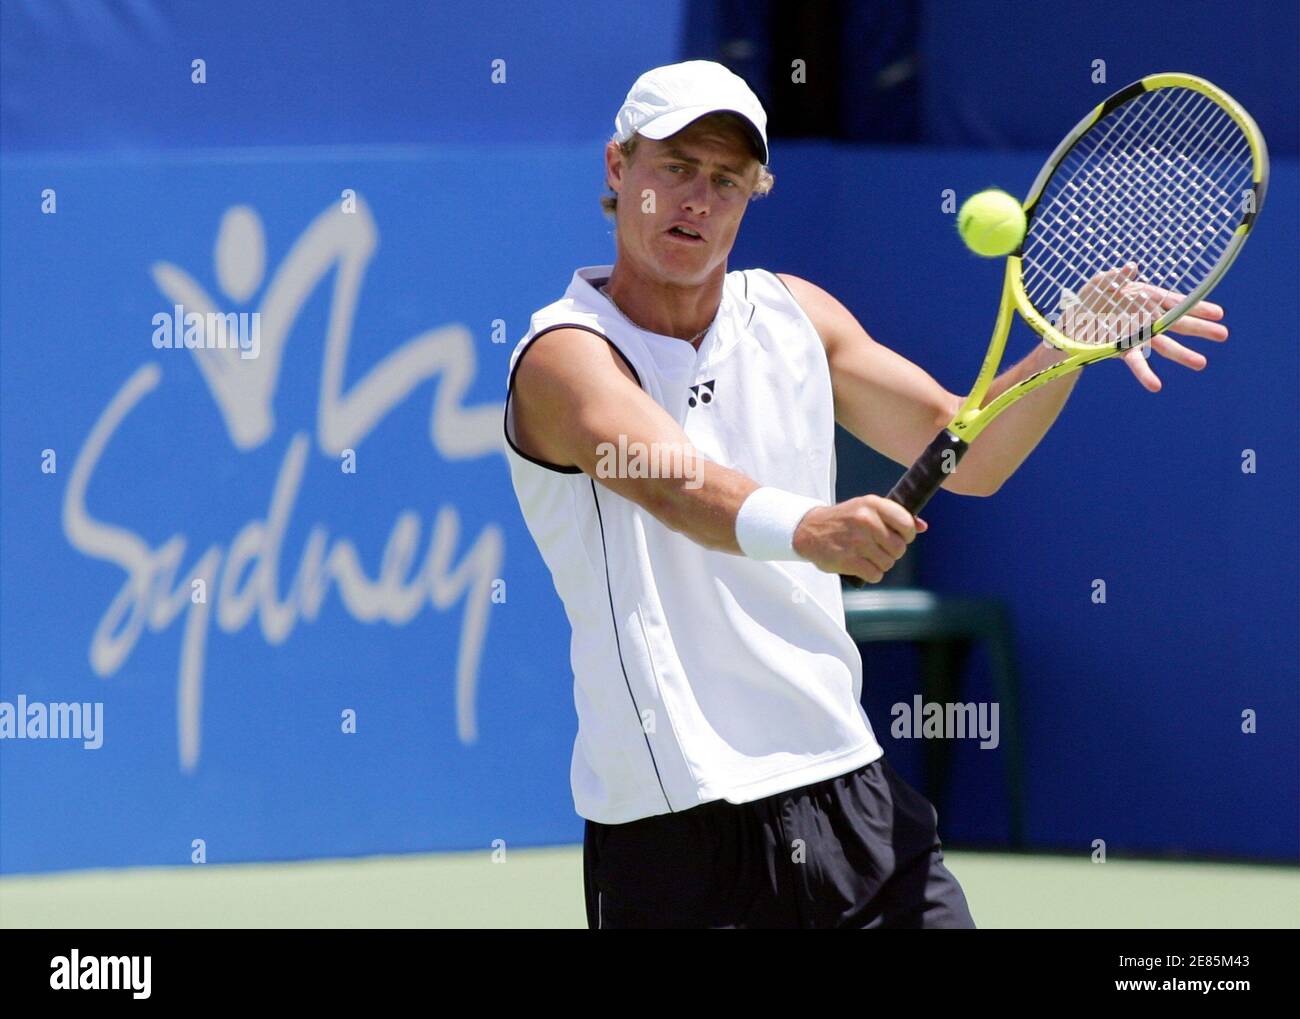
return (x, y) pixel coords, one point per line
(1133, 219)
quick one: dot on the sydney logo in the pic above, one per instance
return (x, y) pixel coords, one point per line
(223, 587)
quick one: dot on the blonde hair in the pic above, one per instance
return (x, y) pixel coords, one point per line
(609, 202)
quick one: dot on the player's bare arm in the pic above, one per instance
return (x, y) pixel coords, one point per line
(881, 397)
(573, 393)
(896, 407)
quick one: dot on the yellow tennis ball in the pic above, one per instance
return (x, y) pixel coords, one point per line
(992, 223)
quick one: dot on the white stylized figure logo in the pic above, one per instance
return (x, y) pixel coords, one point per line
(245, 577)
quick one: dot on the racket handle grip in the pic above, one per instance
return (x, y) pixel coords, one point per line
(925, 477)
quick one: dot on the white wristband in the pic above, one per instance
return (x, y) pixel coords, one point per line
(767, 521)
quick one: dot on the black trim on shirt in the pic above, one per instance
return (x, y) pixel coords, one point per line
(510, 388)
(618, 645)
(752, 306)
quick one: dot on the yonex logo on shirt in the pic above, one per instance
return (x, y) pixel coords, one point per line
(701, 392)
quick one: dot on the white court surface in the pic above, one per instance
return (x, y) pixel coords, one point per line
(542, 888)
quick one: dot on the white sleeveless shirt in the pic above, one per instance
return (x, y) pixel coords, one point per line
(700, 675)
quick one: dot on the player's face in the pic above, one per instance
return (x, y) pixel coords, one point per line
(697, 182)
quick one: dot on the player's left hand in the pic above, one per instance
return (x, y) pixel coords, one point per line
(1119, 292)
(1204, 320)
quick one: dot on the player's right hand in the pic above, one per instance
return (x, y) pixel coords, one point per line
(862, 537)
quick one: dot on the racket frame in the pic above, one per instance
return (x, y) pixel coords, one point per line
(974, 416)
(939, 460)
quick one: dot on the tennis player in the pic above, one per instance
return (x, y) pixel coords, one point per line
(670, 429)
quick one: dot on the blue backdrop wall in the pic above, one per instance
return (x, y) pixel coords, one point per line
(373, 592)
(1004, 72)
(116, 74)
(393, 280)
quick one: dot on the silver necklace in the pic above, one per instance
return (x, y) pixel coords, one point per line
(605, 290)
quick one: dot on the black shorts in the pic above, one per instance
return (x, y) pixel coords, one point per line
(860, 850)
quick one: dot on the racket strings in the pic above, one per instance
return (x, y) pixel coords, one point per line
(1207, 182)
(1129, 174)
(1112, 175)
(1158, 182)
(1124, 176)
(1115, 174)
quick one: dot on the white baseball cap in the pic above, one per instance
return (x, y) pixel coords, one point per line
(666, 99)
